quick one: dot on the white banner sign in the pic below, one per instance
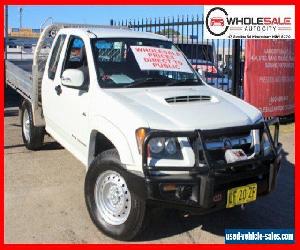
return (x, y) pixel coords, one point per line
(249, 22)
(152, 58)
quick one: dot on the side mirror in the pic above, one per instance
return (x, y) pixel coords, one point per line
(73, 78)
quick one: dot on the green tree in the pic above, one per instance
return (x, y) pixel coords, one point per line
(168, 32)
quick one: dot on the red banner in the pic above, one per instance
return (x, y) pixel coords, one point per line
(269, 76)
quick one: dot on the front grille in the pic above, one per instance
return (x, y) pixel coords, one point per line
(216, 147)
(218, 155)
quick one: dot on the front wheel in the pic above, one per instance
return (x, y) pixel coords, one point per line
(113, 207)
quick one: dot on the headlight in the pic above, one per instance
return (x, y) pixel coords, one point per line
(165, 148)
(171, 146)
(157, 145)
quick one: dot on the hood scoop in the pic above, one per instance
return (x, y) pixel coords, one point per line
(188, 98)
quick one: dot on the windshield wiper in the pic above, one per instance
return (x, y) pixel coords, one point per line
(146, 82)
(184, 82)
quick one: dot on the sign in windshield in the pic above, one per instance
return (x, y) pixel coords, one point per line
(151, 58)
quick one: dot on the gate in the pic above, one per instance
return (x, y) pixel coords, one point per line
(220, 62)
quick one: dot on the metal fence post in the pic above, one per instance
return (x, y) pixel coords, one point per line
(236, 72)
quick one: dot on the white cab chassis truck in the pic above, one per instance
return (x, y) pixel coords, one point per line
(149, 131)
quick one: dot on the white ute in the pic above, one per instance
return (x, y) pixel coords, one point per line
(149, 131)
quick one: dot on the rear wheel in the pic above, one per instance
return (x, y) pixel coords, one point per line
(113, 207)
(33, 137)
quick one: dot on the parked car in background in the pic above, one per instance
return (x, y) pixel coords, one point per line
(27, 48)
(212, 75)
(203, 58)
(11, 44)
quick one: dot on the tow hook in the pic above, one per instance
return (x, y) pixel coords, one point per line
(243, 207)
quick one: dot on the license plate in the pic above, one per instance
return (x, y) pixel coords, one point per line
(241, 195)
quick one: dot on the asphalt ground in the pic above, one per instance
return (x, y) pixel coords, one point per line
(44, 199)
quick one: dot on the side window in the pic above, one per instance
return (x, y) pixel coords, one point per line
(55, 56)
(76, 57)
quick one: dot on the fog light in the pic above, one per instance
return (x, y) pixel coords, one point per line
(169, 187)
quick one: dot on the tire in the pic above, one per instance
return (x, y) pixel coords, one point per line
(33, 137)
(129, 221)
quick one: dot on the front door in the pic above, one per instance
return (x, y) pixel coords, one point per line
(65, 108)
(76, 101)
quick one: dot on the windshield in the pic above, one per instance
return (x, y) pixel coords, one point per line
(138, 62)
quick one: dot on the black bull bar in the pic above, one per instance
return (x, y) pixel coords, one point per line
(207, 173)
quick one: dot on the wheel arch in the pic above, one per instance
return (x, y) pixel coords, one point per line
(108, 137)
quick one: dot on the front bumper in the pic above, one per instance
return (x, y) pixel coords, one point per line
(204, 189)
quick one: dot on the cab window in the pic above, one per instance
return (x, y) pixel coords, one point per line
(55, 56)
(76, 57)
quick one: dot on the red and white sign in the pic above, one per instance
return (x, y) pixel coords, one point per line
(269, 76)
(152, 58)
(249, 22)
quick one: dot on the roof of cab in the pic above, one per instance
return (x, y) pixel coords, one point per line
(113, 33)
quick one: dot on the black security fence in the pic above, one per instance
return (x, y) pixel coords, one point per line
(220, 62)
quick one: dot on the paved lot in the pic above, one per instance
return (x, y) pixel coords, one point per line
(44, 201)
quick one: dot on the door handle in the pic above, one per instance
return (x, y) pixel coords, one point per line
(58, 89)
